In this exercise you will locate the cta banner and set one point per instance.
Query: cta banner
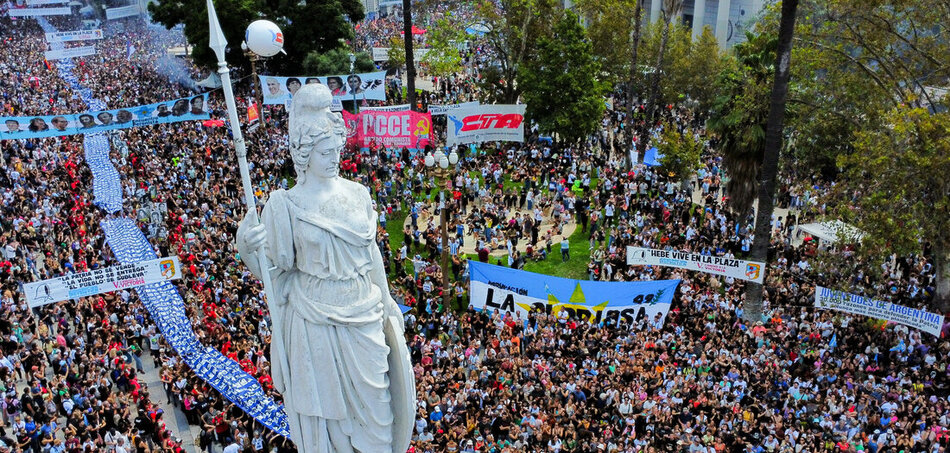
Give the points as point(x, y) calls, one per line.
point(102, 280)
point(185, 109)
point(378, 129)
point(829, 299)
point(123, 11)
point(486, 123)
point(37, 12)
point(77, 35)
point(71, 52)
point(604, 303)
point(436, 109)
point(743, 270)
point(279, 90)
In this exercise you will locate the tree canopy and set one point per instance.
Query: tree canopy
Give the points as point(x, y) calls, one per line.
point(562, 85)
point(295, 19)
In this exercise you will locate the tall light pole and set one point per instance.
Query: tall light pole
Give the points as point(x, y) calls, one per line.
point(356, 107)
point(438, 164)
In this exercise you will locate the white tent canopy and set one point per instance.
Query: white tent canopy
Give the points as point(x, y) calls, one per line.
point(831, 231)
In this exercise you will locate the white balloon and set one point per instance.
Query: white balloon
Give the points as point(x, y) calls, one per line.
point(264, 38)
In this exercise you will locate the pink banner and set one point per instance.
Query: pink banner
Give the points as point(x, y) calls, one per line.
point(378, 129)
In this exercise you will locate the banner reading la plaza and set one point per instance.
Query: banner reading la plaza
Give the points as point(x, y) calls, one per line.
point(485, 123)
point(608, 303)
point(830, 299)
point(743, 270)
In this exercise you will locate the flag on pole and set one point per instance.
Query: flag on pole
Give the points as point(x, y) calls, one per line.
point(49, 65)
point(252, 114)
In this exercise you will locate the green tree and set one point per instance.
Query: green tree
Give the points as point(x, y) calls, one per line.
point(514, 27)
point(856, 60)
point(561, 87)
point(336, 61)
point(897, 178)
point(397, 52)
point(443, 57)
point(681, 151)
point(294, 18)
point(610, 28)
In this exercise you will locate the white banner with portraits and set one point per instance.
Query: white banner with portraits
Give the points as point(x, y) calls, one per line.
point(371, 86)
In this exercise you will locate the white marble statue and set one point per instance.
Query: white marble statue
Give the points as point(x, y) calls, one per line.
point(338, 352)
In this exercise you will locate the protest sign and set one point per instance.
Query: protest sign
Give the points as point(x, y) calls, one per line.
point(607, 303)
point(405, 129)
point(436, 109)
point(193, 108)
point(923, 320)
point(386, 108)
point(102, 280)
point(70, 52)
point(730, 267)
point(371, 85)
point(123, 11)
point(486, 123)
point(76, 35)
point(38, 12)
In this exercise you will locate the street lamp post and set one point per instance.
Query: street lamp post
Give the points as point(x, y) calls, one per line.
point(438, 164)
point(356, 107)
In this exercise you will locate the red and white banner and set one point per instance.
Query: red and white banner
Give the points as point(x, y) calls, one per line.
point(379, 129)
point(486, 123)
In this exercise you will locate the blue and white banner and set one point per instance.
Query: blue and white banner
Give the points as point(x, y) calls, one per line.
point(185, 109)
point(605, 303)
point(161, 299)
point(829, 299)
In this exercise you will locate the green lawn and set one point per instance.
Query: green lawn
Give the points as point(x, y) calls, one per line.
point(575, 267)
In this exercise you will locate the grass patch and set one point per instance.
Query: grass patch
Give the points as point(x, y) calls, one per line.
point(575, 267)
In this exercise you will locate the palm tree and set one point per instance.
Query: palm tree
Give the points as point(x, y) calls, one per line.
point(671, 9)
point(631, 109)
point(773, 146)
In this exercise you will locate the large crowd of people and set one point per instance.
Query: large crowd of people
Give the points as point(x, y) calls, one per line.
point(705, 380)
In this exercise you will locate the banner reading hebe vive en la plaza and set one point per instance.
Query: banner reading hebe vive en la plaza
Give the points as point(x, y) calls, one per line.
point(608, 303)
point(380, 129)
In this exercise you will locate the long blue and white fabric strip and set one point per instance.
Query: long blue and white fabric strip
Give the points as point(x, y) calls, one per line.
point(162, 300)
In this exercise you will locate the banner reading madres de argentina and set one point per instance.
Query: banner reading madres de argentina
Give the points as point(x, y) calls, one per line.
point(371, 85)
point(830, 299)
point(184, 109)
point(622, 304)
point(485, 123)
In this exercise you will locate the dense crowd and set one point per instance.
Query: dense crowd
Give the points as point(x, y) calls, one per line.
point(703, 381)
